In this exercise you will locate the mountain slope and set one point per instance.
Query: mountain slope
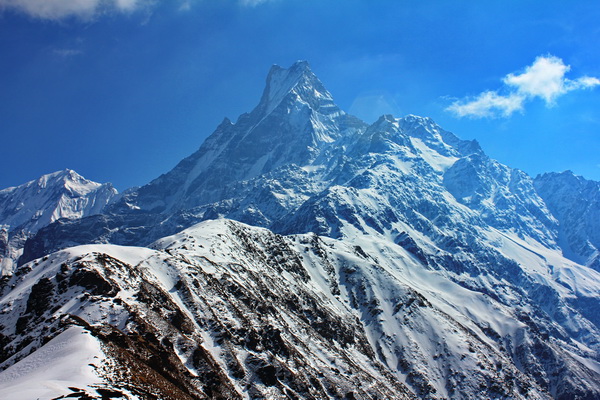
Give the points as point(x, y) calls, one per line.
point(294, 148)
point(575, 202)
point(263, 315)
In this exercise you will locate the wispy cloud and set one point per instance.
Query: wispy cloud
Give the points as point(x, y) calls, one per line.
point(544, 79)
point(254, 3)
point(60, 9)
point(67, 52)
point(86, 9)
point(185, 5)
point(369, 107)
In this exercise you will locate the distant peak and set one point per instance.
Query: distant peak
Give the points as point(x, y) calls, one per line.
point(419, 119)
point(66, 178)
point(420, 126)
point(567, 176)
point(225, 123)
point(387, 117)
point(281, 80)
point(58, 175)
point(66, 174)
point(384, 120)
point(568, 173)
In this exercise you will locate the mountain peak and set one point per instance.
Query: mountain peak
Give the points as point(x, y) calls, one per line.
point(300, 66)
point(297, 69)
point(297, 83)
point(66, 174)
point(442, 270)
point(67, 179)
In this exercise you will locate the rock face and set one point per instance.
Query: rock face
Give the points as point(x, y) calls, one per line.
point(301, 253)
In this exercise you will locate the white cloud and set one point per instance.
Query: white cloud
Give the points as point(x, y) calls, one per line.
point(544, 79)
point(86, 9)
point(585, 82)
point(488, 104)
point(60, 9)
point(126, 5)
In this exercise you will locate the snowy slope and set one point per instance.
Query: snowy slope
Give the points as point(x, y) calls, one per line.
point(67, 361)
point(227, 320)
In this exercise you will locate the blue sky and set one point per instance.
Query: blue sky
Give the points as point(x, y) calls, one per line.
point(121, 90)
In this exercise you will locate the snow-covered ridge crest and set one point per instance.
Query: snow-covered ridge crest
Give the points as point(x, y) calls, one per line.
point(167, 310)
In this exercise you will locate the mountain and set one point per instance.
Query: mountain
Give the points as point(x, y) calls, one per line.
point(27, 208)
point(302, 253)
point(295, 122)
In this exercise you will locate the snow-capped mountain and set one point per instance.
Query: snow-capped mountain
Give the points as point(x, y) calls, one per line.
point(301, 253)
point(27, 208)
